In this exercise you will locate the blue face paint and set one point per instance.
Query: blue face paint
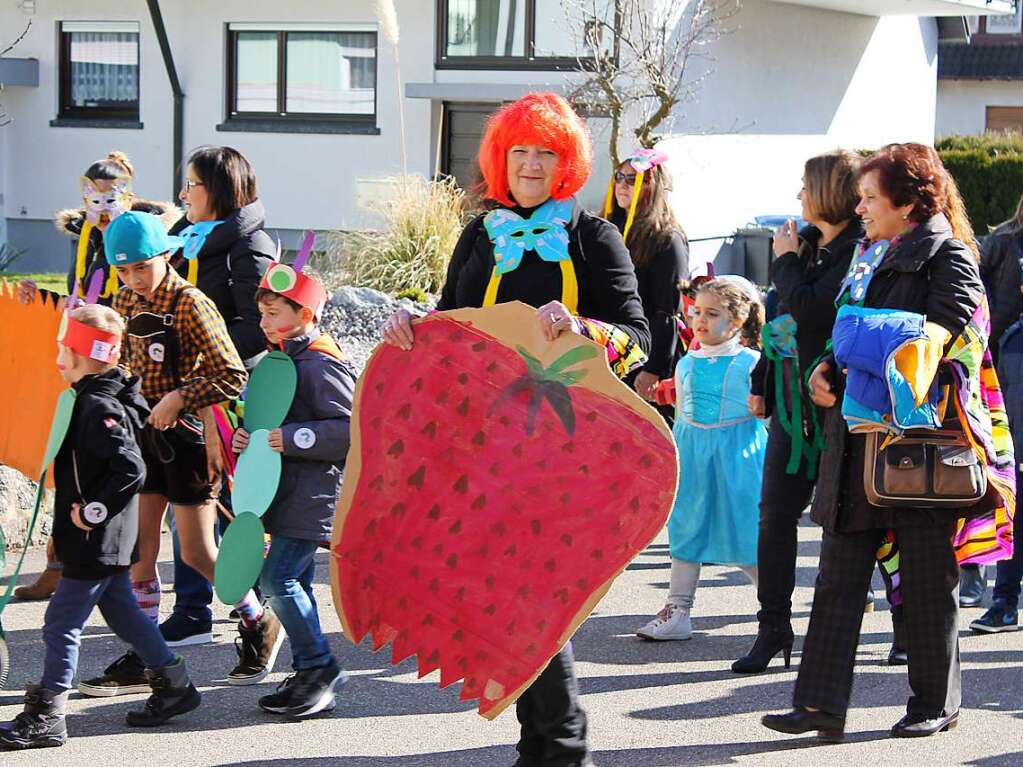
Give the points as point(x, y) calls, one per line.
point(195, 237)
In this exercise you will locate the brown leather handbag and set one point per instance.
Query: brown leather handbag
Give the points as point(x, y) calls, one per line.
point(922, 468)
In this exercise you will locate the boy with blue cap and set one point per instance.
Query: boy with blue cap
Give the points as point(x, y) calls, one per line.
point(178, 345)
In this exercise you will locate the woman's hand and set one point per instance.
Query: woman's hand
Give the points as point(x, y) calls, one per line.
point(240, 440)
point(645, 384)
point(820, 387)
point(786, 239)
point(756, 405)
point(555, 319)
point(165, 413)
point(27, 291)
point(398, 330)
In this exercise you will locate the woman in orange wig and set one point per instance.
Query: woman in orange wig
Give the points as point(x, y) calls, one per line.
point(539, 246)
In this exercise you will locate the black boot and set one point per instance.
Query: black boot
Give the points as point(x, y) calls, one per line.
point(769, 643)
point(40, 725)
point(173, 694)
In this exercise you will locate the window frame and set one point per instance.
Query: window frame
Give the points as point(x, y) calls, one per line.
point(988, 36)
point(360, 123)
point(67, 111)
point(529, 61)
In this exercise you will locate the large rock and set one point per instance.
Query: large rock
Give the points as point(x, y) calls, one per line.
point(355, 318)
point(17, 497)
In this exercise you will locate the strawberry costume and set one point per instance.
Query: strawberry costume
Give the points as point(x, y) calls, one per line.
point(555, 255)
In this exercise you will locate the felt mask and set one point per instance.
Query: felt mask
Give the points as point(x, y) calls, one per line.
point(111, 203)
point(195, 237)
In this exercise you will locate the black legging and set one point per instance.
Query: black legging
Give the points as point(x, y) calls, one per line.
point(782, 500)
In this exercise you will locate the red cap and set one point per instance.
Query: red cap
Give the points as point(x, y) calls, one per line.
point(304, 291)
point(88, 341)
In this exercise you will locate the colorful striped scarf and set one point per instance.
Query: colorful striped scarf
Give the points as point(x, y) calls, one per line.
point(985, 536)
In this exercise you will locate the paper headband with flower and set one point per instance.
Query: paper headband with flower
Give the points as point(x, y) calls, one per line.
point(642, 160)
point(289, 281)
point(96, 344)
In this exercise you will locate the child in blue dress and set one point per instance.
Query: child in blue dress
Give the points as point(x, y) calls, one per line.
point(721, 449)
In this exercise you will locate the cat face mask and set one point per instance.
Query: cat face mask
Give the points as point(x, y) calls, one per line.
point(102, 207)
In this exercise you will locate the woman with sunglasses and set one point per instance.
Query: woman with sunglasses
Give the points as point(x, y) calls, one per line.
point(637, 203)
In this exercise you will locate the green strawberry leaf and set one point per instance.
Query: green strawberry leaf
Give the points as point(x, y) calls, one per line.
point(570, 358)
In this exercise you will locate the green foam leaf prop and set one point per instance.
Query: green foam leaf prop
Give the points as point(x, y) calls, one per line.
point(240, 558)
point(58, 427)
point(270, 392)
point(256, 476)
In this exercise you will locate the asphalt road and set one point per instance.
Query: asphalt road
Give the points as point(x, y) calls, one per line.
point(650, 705)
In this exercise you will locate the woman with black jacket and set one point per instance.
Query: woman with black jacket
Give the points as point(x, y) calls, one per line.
point(1001, 269)
point(930, 268)
point(806, 272)
point(535, 156)
point(226, 249)
point(637, 204)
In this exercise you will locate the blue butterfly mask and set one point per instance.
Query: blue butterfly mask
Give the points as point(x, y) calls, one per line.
point(543, 232)
point(195, 236)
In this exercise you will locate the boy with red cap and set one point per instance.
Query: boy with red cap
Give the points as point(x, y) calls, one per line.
point(98, 472)
point(314, 441)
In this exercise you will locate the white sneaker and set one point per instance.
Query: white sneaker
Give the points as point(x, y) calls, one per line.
point(670, 623)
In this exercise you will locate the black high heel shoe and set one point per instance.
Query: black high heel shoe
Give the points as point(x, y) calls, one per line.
point(830, 728)
point(768, 644)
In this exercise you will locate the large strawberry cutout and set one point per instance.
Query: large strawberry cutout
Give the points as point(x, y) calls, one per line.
point(496, 485)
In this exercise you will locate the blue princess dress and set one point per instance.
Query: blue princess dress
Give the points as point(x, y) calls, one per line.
point(721, 457)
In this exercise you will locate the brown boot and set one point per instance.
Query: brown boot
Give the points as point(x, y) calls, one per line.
point(43, 588)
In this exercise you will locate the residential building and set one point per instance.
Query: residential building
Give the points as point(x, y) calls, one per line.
point(310, 93)
point(980, 79)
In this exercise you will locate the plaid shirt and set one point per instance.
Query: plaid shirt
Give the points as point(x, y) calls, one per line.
point(209, 367)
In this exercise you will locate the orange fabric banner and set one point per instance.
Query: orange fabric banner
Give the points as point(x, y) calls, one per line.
point(29, 381)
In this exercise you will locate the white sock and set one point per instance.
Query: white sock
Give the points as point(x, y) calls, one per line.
point(684, 578)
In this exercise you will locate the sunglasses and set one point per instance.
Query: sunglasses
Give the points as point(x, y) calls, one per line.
point(628, 178)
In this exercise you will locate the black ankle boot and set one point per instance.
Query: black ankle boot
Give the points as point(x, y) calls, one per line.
point(830, 728)
point(40, 725)
point(173, 694)
point(769, 643)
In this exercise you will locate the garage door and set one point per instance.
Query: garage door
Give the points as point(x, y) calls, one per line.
point(463, 130)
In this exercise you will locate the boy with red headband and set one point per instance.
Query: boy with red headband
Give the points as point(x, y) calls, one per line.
point(98, 473)
point(314, 441)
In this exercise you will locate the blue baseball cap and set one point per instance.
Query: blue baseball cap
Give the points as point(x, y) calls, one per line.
point(136, 236)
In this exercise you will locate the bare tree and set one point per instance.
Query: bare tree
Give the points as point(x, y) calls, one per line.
point(635, 56)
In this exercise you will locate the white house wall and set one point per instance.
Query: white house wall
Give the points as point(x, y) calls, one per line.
point(305, 181)
point(789, 82)
point(962, 104)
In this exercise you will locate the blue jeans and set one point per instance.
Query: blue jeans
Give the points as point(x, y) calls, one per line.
point(1010, 571)
point(69, 609)
point(193, 594)
point(287, 581)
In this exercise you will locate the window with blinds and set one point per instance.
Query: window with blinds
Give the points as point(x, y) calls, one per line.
point(99, 70)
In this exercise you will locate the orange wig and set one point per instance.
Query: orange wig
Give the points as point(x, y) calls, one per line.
point(543, 119)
